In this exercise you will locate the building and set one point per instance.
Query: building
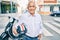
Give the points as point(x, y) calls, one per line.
point(8, 7)
point(18, 6)
point(48, 6)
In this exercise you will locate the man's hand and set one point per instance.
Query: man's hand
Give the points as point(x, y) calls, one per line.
point(14, 30)
point(39, 36)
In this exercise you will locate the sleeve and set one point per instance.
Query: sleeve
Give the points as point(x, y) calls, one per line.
point(41, 26)
point(21, 18)
point(15, 25)
point(19, 22)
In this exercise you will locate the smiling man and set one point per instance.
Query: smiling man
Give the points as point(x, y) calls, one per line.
point(33, 23)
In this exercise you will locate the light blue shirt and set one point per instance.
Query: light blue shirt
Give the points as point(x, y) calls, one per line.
point(33, 24)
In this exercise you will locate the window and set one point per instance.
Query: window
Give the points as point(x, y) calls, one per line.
point(7, 8)
point(45, 8)
point(51, 8)
point(56, 8)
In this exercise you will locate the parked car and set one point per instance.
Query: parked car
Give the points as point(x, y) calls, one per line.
point(55, 13)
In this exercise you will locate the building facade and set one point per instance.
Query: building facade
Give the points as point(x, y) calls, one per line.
point(9, 7)
point(18, 6)
point(48, 6)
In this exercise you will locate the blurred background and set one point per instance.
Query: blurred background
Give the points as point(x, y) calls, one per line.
point(48, 9)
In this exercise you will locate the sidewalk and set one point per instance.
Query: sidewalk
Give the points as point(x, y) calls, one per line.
point(1, 31)
point(57, 19)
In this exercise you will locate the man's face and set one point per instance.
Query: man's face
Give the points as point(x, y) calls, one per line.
point(31, 7)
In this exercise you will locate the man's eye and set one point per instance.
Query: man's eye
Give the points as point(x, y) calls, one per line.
point(31, 6)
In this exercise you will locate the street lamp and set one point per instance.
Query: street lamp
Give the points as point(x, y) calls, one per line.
point(11, 5)
point(0, 6)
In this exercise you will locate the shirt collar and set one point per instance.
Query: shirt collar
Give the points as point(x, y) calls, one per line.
point(31, 15)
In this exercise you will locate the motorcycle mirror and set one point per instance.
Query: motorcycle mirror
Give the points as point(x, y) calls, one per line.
point(11, 19)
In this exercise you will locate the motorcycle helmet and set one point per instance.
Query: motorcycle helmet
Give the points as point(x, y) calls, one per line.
point(21, 30)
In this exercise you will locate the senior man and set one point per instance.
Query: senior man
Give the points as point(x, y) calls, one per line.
point(33, 23)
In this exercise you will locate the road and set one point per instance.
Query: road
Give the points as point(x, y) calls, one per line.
point(51, 28)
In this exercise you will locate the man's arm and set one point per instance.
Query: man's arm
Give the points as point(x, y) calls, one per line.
point(14, 30)
point(39, 36)
point(41, 29)
point(15, 26)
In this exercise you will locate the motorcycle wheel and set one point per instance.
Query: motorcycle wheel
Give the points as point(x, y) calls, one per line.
point(11, 34)
point(0, 38)
point(6, 38)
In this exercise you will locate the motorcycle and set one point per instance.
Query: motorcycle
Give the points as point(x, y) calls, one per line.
point(8, 33)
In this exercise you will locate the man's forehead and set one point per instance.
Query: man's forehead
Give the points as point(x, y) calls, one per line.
point(31, 3)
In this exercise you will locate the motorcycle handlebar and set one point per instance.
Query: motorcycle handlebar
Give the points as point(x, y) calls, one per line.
point(12, 19)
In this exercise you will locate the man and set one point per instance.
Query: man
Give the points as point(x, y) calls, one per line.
point(33, 23)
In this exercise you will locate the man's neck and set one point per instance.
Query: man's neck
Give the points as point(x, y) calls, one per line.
point(32, 14)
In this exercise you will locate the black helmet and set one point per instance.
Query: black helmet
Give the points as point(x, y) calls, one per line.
point(21, 30)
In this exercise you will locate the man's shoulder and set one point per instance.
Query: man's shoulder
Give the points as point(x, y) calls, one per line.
point(38, 14)
point(24, 14)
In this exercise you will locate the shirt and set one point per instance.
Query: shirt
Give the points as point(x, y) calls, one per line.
point(33, 24)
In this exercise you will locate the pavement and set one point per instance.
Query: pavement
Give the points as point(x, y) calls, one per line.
point(51, 28)
point(57, 19)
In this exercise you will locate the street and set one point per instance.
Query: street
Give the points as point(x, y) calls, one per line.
point(51, 28)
